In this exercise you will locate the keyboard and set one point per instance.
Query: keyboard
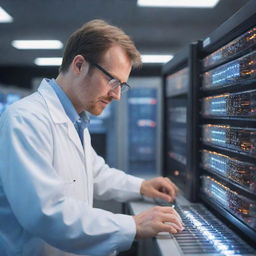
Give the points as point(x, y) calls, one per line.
point(204, 234)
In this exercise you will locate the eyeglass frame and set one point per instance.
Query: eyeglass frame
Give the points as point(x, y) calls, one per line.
point(124, 86)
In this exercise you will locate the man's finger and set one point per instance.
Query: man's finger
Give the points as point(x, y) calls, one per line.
point(164, 196)
point(167, 188)
point(169, 181)
point(168, 209)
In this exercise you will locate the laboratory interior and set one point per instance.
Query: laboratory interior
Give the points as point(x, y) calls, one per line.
point(189, 115)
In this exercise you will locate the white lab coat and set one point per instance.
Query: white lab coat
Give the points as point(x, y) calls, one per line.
point(48, 181)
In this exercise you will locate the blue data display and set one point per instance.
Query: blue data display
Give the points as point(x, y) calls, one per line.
point(234, 138)
point(232, 73)
point(242, 207)
point(240, 172)
point(230, 104)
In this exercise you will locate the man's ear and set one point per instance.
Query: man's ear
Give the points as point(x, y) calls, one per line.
point(79, 64)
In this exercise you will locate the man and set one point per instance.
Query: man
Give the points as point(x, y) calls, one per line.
point(49, 172)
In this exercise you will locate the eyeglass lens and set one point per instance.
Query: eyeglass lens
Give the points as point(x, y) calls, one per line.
point(115, 83)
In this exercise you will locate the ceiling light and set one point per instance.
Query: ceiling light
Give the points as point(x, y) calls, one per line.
point(53, 61)
point(156, 58)
point(4, 16)
point(37, 44)
point(178, 3)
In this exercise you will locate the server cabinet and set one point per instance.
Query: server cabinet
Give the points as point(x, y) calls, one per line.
point(227, 126)
point(139, 127)
point(142, 114)
point(179, 82)
point(220, 150)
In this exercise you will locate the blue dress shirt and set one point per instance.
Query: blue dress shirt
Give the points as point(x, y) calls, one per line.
point(80, 121)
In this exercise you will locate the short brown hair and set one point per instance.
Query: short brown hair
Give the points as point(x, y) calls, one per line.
point(93, 39)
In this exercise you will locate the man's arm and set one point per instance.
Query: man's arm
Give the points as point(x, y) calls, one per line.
point(111, 183)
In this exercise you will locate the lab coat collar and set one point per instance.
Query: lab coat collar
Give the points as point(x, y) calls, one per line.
point(55, 107)
point(58, 113)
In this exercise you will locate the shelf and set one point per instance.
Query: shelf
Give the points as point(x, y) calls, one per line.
point(232, 121)
point(236, 56)
point(235, 87)
point(238, 139)
point(227, 150)
point(233, 184)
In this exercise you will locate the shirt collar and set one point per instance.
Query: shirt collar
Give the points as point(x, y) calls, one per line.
point(67, 104)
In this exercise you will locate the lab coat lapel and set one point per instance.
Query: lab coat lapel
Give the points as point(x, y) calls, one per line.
point(58, 114)
point(73, 135)
point(88, 162)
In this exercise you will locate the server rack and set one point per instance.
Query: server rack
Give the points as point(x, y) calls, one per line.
point(142, 119)
point(221, 148)
point(139, 112)
point(179, 81)
point(227, 121)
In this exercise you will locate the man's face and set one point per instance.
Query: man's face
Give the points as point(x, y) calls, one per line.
point(94, 92)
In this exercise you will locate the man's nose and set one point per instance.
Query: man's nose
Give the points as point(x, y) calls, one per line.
point(115, 93)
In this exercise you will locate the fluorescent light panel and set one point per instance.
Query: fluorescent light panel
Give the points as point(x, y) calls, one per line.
point(56, 61)
point(37, 44)
point(4, 16)
point(146, 58)
point(178, 3)
point(53, 61)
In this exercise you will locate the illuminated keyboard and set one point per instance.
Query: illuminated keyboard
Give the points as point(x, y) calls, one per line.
point(205, 234)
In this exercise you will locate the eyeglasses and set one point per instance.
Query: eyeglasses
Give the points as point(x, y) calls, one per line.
point(113, 82)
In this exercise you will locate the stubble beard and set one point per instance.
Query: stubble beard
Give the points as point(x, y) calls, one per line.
point(95, 109)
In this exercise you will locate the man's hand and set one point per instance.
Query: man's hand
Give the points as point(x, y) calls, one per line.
point(157, 219)
point(159, 187)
